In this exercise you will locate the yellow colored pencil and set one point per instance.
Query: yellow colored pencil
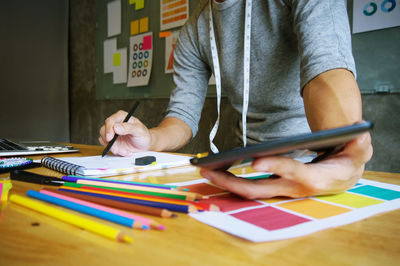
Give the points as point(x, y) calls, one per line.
point(89, 225)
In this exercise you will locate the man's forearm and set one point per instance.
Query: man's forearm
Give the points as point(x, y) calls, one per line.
point(170, 135)
point(332, 99)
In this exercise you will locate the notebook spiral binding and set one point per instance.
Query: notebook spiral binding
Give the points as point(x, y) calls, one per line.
point(60, 166)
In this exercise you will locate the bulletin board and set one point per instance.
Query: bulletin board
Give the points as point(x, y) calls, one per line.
point(376, 48)
point(160, 83)
point(376, 52)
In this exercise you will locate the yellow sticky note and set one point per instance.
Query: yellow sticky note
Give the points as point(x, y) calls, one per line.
point(131, 2)
point(134, 27)
point(117, 59)
point(139, 4)
point(144, 24)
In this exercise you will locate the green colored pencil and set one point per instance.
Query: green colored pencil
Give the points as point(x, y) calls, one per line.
point(151, 193)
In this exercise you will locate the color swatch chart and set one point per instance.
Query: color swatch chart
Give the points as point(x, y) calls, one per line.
point(140, 59)
point(283, 218)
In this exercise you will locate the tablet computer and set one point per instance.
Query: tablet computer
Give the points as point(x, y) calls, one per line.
point(319, 141)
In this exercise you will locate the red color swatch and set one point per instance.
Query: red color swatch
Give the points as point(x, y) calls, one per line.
point(204, 189)
point(269, 218)
point(147, 42)
point(230, 202)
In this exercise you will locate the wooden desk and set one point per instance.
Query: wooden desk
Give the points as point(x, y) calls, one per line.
point(30, 238)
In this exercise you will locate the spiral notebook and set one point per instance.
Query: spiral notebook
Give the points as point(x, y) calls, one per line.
point(110, 165)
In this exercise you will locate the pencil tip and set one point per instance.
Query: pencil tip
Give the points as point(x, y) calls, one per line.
point(161, 227)
point(128, 239)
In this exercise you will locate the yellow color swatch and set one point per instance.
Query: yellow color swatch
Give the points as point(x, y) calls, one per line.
point(134, 27)
point(313, 208)
point(350, 199)
point(117, 59)
point(144, 24)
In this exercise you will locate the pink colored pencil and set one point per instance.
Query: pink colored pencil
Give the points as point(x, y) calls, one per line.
point(146, 221)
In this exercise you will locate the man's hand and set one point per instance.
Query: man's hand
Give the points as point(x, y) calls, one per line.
point(334, 174)
point(170, 135)
point(133, 135)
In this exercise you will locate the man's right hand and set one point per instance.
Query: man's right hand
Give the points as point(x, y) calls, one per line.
point(134, 136)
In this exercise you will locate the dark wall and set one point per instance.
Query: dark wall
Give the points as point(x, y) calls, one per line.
point(88, 114)
point(34, 70)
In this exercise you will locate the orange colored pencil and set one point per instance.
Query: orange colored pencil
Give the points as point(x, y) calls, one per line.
point(189, 195)
point(198, 205)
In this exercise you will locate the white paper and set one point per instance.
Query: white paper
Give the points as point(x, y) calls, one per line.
point(116, 165)
point(170, 42)
point(140, 59)
point(110, 47)
point(232, 225)
point(173, 13)
point(371, 15)
point(120, 71)
point(114, 18)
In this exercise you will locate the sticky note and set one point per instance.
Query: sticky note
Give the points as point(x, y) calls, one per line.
point(147, 42)
point(144, 24)
point(164, 34)
point(117, 59)
point(139, 4)
point(134, 27)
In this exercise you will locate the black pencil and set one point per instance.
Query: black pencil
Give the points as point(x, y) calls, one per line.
point(109, 145)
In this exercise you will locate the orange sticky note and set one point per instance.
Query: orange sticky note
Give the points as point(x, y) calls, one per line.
point(134, 27)
point(164, 34)
point(144, 24)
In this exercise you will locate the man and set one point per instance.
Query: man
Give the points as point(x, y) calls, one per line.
point(296, 67)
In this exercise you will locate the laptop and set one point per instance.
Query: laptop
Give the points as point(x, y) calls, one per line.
point(10, 147)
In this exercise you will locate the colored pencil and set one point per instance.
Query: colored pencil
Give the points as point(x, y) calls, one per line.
point(199, 205)
point(71, 178)
point(111, 192)
point(138, 192)
point(87, 210)
point(189, 195)
point(172, 207)
point(81, 222)
point(145, 221)
point(164, 213)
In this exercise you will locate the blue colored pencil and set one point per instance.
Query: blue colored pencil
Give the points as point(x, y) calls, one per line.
point(70, 178)
point(169, 206)
point(87, 210)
